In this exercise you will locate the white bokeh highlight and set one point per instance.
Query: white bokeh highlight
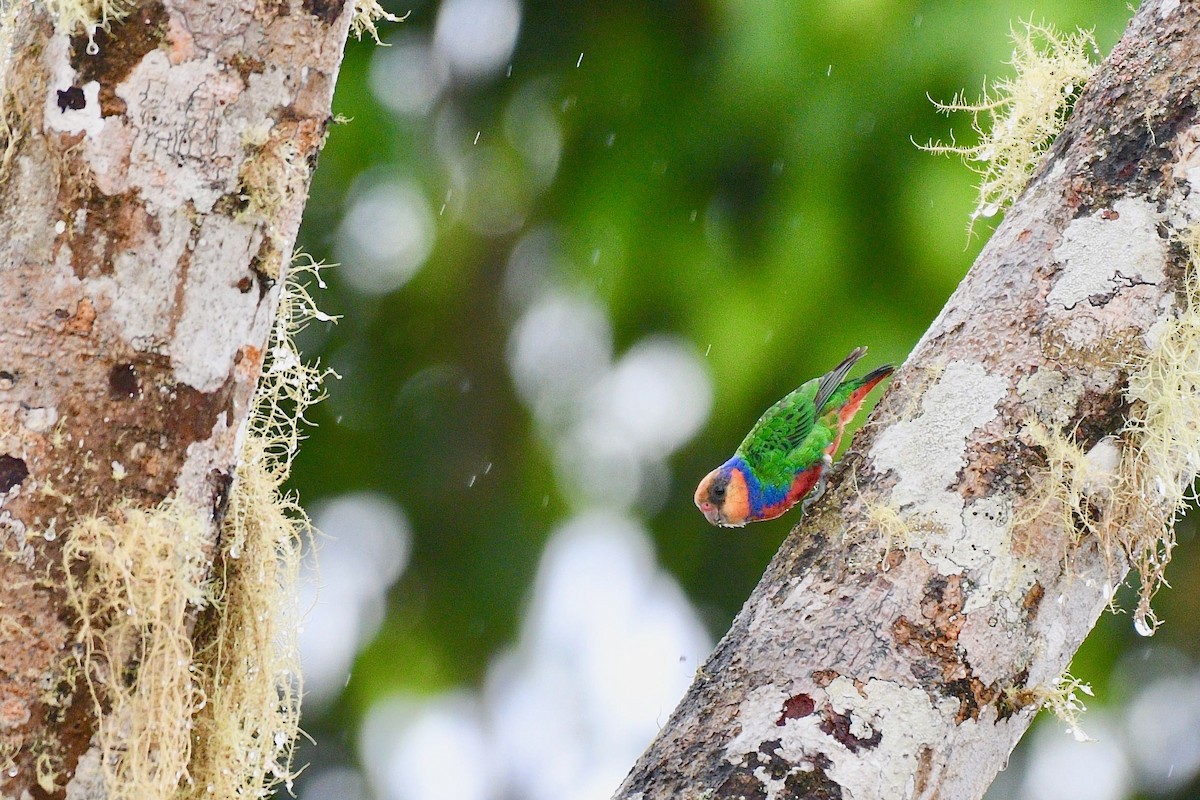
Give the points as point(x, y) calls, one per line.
point(531, 126)
point(1163, 732)
point(334, 783)
point(408, 77)
point(362, 551)
point(477, 37)
point(559, 348)
point(1062, 768)
point(385, 237)
point(656, 397)
point(608, 647)
point(427, 749)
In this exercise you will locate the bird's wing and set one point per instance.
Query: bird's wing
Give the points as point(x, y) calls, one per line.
point(779, 431)
point(831, 380)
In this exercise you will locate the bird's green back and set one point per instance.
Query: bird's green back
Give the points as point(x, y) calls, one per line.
point(788, 438)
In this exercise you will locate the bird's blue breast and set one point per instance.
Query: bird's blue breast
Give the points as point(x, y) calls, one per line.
point(759, 495)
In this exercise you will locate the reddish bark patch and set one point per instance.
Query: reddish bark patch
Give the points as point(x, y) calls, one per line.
point(1032, 601)
point(113, 224)
point(741, 785)
point(811, 784)
point(838, 726)
point(942, 605)
point(80, 323)
point(140, 417)
point(971, 694)
point(795, 707)
point(247, 65)
point(936, 638)
point(990, 467)
point(924, 770)
point(117, 51)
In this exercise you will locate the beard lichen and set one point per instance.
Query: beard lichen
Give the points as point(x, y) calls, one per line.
point(1018, 118)
point(244, 738)
point(1077, 485)
point(188, 646)
point(367, 14)
point(145, 580)
point(1164, 431)
point(1061, 699)
point(86, 16)
point(1130, 490)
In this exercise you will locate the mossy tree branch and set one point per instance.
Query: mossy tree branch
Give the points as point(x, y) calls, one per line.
point(906, 659)
point(153, 176)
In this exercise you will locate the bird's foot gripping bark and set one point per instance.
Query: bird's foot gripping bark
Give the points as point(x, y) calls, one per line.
point(819, 489)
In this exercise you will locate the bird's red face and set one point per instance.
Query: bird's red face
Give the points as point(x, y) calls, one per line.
point(722, 498)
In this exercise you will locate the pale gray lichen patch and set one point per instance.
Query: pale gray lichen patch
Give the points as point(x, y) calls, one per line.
point(60, 115)
point(182, 154)
point(1108, 250)
point(927, 453)
point(88, 781)
point(986, 641)
point(891, 724)
point(188, 154)
point(1053, 393)
point(217, 319)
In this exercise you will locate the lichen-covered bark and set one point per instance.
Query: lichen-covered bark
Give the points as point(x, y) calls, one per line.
point(904, 636)
point(150, 193)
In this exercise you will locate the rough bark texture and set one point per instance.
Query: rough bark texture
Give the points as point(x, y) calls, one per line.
point(912, 674)
point(150, 195)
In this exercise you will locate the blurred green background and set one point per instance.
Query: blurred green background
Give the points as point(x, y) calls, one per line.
point(584, 245)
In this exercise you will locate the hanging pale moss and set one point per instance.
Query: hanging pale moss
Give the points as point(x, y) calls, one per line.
point(190, 655)
point(145, 581)
point(1077, 485)
point(367, 14)
point(1062, 700)
point(85, 16)
point(1018, 118)
point(1130, 490)
point(1164, 435)
point(249, 660)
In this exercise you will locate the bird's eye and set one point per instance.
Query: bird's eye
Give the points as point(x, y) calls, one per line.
point(718, 492)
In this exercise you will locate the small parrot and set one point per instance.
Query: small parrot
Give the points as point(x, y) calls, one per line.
point(789, 450)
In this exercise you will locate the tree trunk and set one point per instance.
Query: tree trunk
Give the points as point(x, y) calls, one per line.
point(908, 630)
point(151, 187)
